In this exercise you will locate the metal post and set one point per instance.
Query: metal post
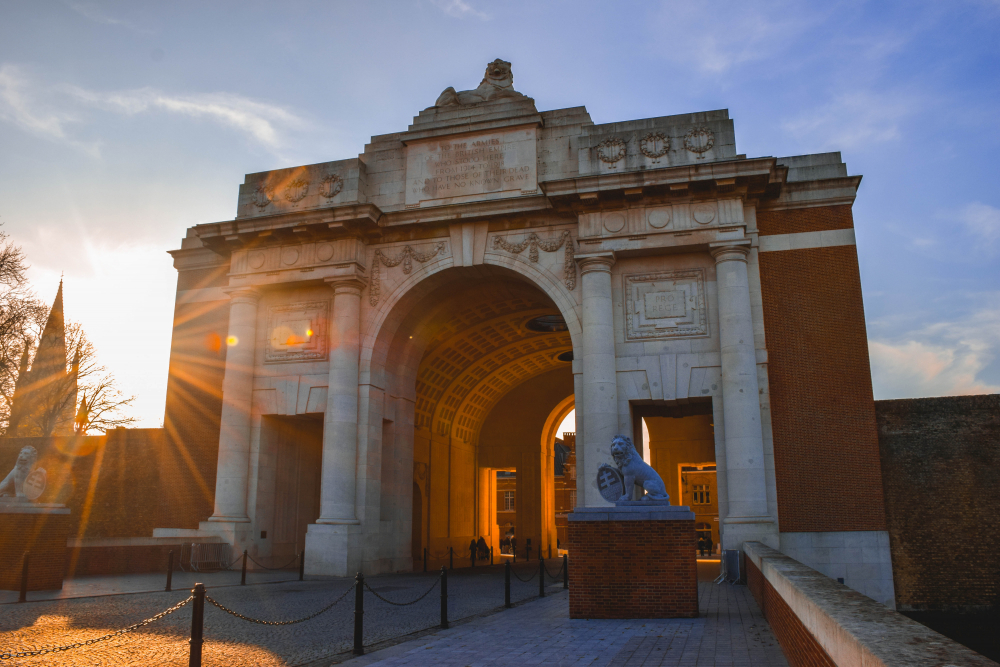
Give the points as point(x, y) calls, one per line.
point(550, 550)
point(541, 577)
point(425, 559)
point(197, 624)
point(23, 597)
point(506, 584)
point(491, 555)
point(302, 565)
point(527, 553)
point(472, 555)
point(444, 598)
point(170, 570)
point(359, 613)
point(451, 558)
point(565, 571)
point(243, 575)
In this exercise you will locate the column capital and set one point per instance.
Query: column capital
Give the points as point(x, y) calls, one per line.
point(346, 284)
point(595, 261)
point(238, 294)
point(730, 251)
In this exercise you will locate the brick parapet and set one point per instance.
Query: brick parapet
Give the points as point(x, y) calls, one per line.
point(798, 220)
point(43, 534)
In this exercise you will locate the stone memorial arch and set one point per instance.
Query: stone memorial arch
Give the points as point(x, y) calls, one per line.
point(369, 339)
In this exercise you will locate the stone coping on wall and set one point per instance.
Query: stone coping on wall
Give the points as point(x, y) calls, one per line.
point(11, 506)
point(852, 628)
point(633, 512)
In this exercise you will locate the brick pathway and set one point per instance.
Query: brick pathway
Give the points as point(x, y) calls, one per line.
point(731, 632)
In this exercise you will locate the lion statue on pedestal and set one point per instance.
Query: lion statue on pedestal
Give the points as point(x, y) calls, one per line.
point(498, 83)
point(13, 483)
point(636, 471)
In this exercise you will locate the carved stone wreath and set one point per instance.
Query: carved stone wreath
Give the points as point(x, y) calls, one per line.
point(611, 150)
point(296, 190)
point(533, 242)
point(654, 145)
point(261, 196)
point(405, 257)
point(331, 186)
point(699, 140)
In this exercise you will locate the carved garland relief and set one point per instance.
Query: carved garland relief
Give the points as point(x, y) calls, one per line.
point(406, 257)
point(611, 150)
point(654, 146)
point(669, 304)
point(533, 242)
point(699, 140)
point(331, 186)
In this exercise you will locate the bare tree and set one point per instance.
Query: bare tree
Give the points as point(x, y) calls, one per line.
point(20, 314)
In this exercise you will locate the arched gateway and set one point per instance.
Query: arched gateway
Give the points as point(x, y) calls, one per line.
point(360, 350)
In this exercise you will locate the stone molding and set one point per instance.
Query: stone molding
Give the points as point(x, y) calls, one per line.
point(346, 284)
point(598, 261)
point(730, 251)
point(242, 295)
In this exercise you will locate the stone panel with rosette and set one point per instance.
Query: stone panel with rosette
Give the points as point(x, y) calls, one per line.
point(669, 304)
point(297, 332)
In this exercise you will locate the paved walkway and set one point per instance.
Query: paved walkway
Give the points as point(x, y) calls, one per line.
point(731, 632)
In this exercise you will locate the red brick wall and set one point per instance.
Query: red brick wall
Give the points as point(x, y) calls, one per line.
point(121, 559)
point(822, 409)
point(44, 535)
point(632, 569)
point(800, 647)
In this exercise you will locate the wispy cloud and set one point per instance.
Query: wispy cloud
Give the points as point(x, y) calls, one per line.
point(853, 119)
point(460, 9)
point(49, 111)
point(983, 222)
point(942, 359)
point(94, 13)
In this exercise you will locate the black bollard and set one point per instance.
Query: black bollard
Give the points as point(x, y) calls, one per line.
point(302, 565)
point(565, 571)
point(170, 569)
point(527, 553)
point(425, 559)
point(359, 614)
point(23, 597)
point(451, 558)
point(491, 555)
point(197, 624)
point(444, 599)
point(243, 575)
point(541, 578)
point(506, 584)
point(550, 551)
point(472, 555)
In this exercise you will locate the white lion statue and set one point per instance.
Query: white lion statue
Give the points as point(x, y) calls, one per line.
point(13, 483)
point(636, 471)
point(497, 83)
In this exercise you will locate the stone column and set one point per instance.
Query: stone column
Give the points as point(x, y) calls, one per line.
point(328, 547)
point(745, 475)
point(237, 395)
point(600, 389)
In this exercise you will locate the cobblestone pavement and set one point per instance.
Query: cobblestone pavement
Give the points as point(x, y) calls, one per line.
point(731, 630)
point(234, 642)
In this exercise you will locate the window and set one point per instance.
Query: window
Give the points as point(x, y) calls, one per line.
point(508, 501)
point(572, 498)
point(701, 495)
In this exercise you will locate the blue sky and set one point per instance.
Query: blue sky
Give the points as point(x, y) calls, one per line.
point(124, 123)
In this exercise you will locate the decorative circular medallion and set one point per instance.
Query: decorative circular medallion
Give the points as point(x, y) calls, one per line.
point(296, 190)
point(703, 213)
point(658, 218)
point(654, 145)
point(290, 255)
point(611, 150)
point(261, 196)
point(699, 140)
point(331, 186)
point(614, 222)
point(256, 260)
point(324, 251)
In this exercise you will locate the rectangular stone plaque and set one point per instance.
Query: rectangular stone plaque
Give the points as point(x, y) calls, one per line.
point(670, 304)
point(471, 167)
point(297, 332)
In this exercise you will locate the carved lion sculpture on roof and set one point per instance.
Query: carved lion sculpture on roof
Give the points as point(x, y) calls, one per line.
point(497, 83)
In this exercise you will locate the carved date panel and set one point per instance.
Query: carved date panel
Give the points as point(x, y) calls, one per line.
point(297, 332)
point(669, 304)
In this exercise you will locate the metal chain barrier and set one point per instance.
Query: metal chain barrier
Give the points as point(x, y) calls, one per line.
point(262, 622)
point(403, 604)
point(57, 649)
point(519, 576)
point(558, 574)
point(295, 559)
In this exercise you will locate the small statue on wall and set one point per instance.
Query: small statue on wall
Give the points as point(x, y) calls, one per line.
point(23, 482)
point(636, 471)
point(496, 84)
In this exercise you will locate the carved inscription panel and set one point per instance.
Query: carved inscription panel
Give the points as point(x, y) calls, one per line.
point(481, 166)
point(665, 305)
point(297, 332)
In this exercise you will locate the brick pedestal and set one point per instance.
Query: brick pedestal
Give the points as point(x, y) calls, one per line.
point(632, 562)
point(41, 529)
